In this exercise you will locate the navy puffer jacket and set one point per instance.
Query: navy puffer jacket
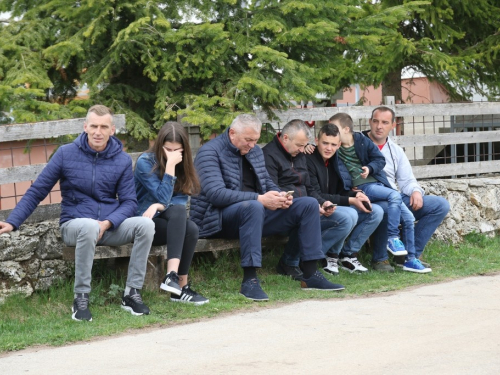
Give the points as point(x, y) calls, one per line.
point(219, 164)
point(94, 185)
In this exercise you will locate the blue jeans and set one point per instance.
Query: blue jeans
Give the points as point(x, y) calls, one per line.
point(249, 221)
point(367, 223)
point(429, 217)
point(380, 235)
point(378, 192)
point(336, 228)
point(334, 231)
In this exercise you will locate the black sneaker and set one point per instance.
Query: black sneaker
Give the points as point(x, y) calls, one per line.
point(318, 282)
point(81, 308)
point(133, 303)
point(171, 283)
point(188, 295)
point(251, 289)
point(293, 271)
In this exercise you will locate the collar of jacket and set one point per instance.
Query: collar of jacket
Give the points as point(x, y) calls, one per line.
point(114, 146)
point(232, 148)
point(282, 148)
point(365, 132)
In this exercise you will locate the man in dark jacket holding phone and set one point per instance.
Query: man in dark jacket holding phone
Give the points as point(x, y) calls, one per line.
point(238, 199)
point(98, 202)
point(331, 180)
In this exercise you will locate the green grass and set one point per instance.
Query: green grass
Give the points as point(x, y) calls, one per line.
point(44, 318)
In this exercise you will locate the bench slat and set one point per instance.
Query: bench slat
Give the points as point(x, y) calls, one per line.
point(203, 245)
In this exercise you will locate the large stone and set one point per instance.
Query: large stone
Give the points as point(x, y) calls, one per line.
point(11, 271)
point(19, 248)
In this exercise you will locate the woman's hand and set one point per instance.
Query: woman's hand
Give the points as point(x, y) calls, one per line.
point(153, 209)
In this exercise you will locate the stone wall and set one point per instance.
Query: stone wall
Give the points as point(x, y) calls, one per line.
point(30, 259)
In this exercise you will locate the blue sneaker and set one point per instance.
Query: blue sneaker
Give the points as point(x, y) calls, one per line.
point(396, 247)
point(414, 265)
point(318, 282)
point(251, 289)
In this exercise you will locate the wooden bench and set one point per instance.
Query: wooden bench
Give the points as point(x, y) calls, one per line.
point(156, 267)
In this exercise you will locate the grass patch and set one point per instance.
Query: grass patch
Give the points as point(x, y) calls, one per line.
point(44, 318)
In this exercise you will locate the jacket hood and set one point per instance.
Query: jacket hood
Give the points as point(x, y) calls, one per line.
point(114, 146)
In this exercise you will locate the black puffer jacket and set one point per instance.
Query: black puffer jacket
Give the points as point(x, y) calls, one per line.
point(288, 172)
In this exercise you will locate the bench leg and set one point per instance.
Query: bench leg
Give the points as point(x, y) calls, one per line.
point(155, 272)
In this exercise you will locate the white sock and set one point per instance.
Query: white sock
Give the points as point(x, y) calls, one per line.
point(127, 290)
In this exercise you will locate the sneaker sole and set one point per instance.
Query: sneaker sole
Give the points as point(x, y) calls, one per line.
point(130, 310)
point(169, 289)
point(199, 303)
point(425, 270)
point(255, 299)
point(325, 290)
point(354, 270)
point(397, 253)
point(73, 316)
point(331, 272)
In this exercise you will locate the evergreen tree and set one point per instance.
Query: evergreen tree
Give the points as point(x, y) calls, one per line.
point(453, 42)
point(204, 60)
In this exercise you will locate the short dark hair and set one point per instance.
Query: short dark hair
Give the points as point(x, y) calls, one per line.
point(330, 130)
point(384, 109)
point(293, 127)
point(344, 120)
point(100, 110)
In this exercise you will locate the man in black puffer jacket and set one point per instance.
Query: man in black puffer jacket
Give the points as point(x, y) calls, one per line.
point(238, 199)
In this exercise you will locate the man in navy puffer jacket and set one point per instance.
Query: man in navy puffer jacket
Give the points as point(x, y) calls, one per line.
point(98, 202)
point(238, 199)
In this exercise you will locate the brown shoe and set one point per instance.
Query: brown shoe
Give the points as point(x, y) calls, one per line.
point(383, 266)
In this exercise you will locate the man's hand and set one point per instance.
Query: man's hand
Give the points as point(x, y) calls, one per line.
point(328, 211)
point(416, 201)
point(358, 202)
point(365, 173)
point(273, 200)
point(288, 202)
point(5, 227)
point(104, 226)
point(309, 149)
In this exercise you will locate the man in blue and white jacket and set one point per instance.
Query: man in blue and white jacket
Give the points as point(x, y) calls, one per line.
point(429, 210)
point(238, 199)
point(97, 207)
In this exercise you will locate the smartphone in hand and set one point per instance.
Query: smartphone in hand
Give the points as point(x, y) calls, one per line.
point(367, 205)
point(288, 193)
point(329, 207)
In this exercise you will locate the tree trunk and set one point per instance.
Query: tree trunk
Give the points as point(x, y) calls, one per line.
point(391, 86)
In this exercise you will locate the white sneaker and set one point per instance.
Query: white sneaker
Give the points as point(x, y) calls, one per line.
point(332, 265)
point(352, 264)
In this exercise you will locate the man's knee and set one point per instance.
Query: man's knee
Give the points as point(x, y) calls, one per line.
point(81, 229)
point(377, 212)
point(252, 208)
point(395, 197)
point(306, 204)
point(144, 226)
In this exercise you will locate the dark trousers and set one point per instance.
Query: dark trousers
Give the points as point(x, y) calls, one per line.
point(173, 228)
point(250, 221)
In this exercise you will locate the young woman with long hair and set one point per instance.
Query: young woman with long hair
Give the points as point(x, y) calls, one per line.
point(164, 179)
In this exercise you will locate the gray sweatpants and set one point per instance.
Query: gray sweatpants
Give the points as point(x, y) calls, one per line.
point(83, 234)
